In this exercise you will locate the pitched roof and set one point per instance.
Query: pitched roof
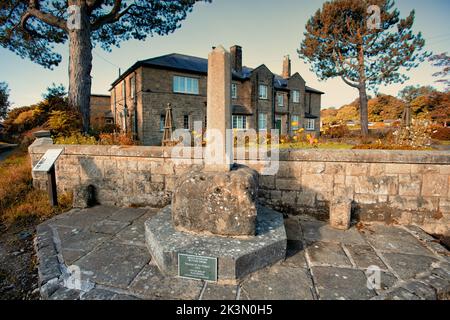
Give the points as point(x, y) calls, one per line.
point(182, 62)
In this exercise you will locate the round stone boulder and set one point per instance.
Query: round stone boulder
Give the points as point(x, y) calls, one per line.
point(216, 203)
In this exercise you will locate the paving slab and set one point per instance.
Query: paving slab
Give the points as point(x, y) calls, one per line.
point(152, 284)
point(65, 294)
point(279, 283)
point(388, 281)
point(325, 253)
point(408, 266)
point(401, 294)
point(219, 292)
point(341, 284)
point(392, 239)
point(364, 256)
point(83, 219)
point(108, 226)
point(108, 245)
point(114, 264)
point(99, 294)
point(295, 255)
point(128, 214)
point(314, 231)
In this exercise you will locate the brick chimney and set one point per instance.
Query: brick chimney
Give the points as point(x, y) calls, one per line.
point(286, 67)
point(236, 58)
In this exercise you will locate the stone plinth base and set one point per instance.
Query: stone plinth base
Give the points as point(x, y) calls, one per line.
point(236, 257)
point(216, 203)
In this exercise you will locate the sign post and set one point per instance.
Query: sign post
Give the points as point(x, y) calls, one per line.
point(47, 164)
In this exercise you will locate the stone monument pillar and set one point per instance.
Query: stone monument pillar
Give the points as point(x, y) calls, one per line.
point(214, 219)
point(219, 153)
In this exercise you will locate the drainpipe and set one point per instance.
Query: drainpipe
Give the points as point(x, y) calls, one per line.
point(135, 122)
point(273, 103)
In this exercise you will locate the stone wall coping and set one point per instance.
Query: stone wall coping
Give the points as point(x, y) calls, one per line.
point(40, 146)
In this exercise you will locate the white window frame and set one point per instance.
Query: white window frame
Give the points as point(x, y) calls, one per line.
point(296, 96)
point(234, 93)
point(239, 122)
point(263, 92)
point(185, 85)
point(310, 124)
point(280, 100)
point(262, 121)
point(133, 87)
point(294, 118)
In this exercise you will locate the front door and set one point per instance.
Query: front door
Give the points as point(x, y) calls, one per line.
point(278, 123)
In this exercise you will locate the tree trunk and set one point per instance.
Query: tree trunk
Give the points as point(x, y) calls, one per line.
point(363, 110)
point(80, 66)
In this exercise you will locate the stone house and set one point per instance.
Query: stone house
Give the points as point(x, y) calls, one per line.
point(101, 110)
point(261, 99)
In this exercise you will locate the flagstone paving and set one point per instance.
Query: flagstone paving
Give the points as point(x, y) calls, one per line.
point(106, 248)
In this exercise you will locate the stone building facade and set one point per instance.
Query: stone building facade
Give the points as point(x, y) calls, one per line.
point(101, 110)
point(261, 100)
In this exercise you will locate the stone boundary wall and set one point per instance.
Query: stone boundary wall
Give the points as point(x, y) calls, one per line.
point(401, 187)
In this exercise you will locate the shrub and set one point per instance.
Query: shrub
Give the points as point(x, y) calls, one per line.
point(63, 123)
point(440, 133)
point(339, 131)
point(75, 138)
point(116, 139)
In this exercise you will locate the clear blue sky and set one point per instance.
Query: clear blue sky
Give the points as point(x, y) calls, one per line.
point(266, 29)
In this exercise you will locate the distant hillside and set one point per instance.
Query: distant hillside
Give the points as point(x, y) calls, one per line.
point(433, 106)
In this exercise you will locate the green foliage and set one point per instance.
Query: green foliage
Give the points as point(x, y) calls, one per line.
point(425, 102)
point(409, 93)
point(52, 113)
point(338, 43)
point(55, 91)
point(111, 22)
point(4, 99)
point(442, 60)
point(76, 138)
point(63, 122)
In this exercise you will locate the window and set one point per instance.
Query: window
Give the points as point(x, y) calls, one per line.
point(123, 90)
point(296, 96)
point(234, 91)
point(262, 91)
point(186, 122)
point(162, 122)
point(280, 100)
point(185, 85)
point(240, 122)
point(295, 124)
point(310, 124)
point(262, 121)
point(133, 87)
